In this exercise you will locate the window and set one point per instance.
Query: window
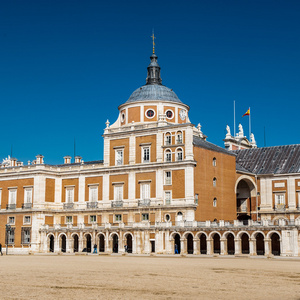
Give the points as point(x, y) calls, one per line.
point(118, 218)
point(118, 192)
point(179, 137)
point(11, 220)
point(27, 220)
point(298, 205)
point(145, 191)
point(214, 162)
point(69, 219)
point(280, 199)
point(12, 198)
point(70, 195)
point(215, 181)
point(119, 157)
point(145, 217)
point(122, 117)
point(146, 154)
point(93, 219)
point(196, 198)
point(25, 236)
point(93, 193)
point(168, 177)
point(11, 236)
point(167, 197)
point(0, 197)
point(28, 195)
point(169, 114)
point(168, 139)
point(215, 202)
point(150, 113)
point(179, 155)
point(179, 216)
point(243, 205)
point(167, 217)
point(168, 156)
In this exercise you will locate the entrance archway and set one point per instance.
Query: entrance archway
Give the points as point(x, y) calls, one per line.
point(260, 244)
point(177, 243)
point(76, 243)
point(129, 243)
point(245, 243)
point(63, 243)
point(217, 244)
point(203, 244)
point(275, 244)
point(115, 244)
point(101, 243)
point(51, 243)
point(230, 244)
point(190, 244)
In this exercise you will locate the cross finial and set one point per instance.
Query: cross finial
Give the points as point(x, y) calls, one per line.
point(153, 37)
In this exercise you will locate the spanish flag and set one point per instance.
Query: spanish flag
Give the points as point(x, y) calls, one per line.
point(247, 113)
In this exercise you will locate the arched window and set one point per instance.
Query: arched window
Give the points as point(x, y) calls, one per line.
point(215, 181)
point(179, 155)
point(168, 155)
point(215, 202)
point(179, 139)
point(214, 162)
point(168, 139)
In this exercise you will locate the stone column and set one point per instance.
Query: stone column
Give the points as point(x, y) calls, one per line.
point(196, 243)
point(68, 243)
point(252, 246)
point(267, 246)
point(183, 249)
point(209, 246)
point(223, 242)
point(237, 246)
point(80, 242)
point(56, 243)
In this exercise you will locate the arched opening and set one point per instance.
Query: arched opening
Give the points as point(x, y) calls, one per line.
point(275, 244)
point(190, 244)
point(177, 244)
point(115, 244)
point(245, 243)
point(217, 244)
point(88, 243)
point(63, 243)
point(76, 243)
point(168, 156)
point(260, 244)
point(230, 244)
point(179, 216)
point(179, 155)
point(129, 243)
point(243, 200)
point(101, 243)
point(51, 243)
point(203, 244)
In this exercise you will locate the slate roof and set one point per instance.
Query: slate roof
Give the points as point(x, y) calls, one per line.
point(199, 142)
point(270, 160)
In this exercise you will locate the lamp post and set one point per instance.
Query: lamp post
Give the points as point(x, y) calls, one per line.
point(7, 228)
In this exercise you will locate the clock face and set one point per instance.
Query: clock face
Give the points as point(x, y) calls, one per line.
point(182, 114)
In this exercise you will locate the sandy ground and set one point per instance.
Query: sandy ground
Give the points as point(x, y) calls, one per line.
point(131, 277)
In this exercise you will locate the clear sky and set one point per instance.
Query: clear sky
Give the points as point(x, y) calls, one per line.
point(65, 66)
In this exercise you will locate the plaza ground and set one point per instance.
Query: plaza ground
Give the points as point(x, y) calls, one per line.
point(136, 277)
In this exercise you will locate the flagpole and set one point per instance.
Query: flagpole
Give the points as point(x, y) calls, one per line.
point(249, 123)
point(234, 117)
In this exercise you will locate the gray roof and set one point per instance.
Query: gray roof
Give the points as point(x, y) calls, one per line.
point(270, 160)
point(151, 92)
point(199, 142)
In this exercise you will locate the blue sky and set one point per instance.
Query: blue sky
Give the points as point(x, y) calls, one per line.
point(65, 66)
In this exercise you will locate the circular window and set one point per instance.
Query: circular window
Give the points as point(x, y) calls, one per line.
point(150, 113)
point(167, 217)
point(169, 114)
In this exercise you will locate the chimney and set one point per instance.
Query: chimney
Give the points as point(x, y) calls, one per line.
point(19, 163)
point(13, 162)
point(39, 159)
point(78, 159)
point(67, 159)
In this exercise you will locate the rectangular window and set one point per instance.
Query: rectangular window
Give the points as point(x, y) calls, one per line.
point(196, 198)
point(168, 139)
point(93, 219)
point(118, 218)
point(69, 195)
point(168, 177)
point(27, 219)
point(179, 156)
point(168, 197)
point(28, 195)
point(118, 192)
point(25, 236)
point(280, 199)
point(168, 156)
point(119, 157)
point(215, 202)
point(11, 220)
point(179, 138)
point(11, 236)
point(93, 193)
point(69, 219)
point(146, 154)
point(0, 197)
point(145, 217)
point(145, 191)
point(12, 198)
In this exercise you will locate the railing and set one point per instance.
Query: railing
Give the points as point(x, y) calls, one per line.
point(11, 206)
point(68, 205)
point(116, 203)
point(144, 202)
point(279, 207)
point(92, 205)
point(26, 205)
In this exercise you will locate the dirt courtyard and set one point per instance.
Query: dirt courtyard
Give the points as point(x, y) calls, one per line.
point(131, 277)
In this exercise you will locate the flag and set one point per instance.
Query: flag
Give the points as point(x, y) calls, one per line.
point(247, 112)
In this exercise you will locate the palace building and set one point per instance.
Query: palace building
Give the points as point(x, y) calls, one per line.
point(160, 188)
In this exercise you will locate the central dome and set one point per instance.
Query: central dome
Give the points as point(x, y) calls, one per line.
point(150, 92)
